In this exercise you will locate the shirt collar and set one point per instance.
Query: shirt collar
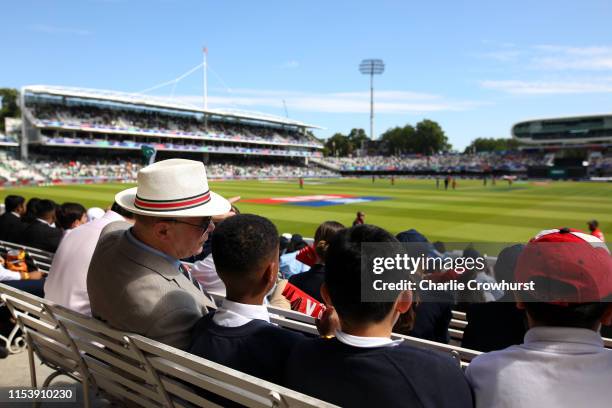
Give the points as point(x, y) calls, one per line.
point(44, 222)
point(112, 216)
point(234, 314)
point(547, 337)
point(365, 342)
point(15, 214)
point(152, 250)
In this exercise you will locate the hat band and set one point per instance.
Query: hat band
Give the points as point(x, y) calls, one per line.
point(172, 205)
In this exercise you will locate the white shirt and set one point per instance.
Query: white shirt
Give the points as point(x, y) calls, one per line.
point(233, 314)
point(554, 367)
point(365, 342)
point(46, 222)
point(8, 275)
point(67, 281)
point(205, 272)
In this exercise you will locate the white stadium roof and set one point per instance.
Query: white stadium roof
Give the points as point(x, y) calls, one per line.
point(157, 102)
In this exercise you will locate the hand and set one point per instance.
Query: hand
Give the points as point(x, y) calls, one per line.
point(36, 275)
point(218, 218)
point(233, 199)
point(328, 323)
point(1, 261)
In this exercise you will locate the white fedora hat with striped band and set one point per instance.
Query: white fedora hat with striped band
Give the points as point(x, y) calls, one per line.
point(173, 188)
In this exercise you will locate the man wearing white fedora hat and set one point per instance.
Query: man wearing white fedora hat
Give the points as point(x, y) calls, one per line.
point(135, 280)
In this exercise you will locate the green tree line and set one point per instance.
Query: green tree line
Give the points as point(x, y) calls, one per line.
point(9, 107)
point(427, 137)
point(483, 144)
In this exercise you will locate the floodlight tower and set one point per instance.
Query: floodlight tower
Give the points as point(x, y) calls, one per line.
point(372, 67)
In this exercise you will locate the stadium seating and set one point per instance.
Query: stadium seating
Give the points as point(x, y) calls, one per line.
point(157, 123)
point(123, 367)
point(46, 169)
point(475, 163)
point(42, 259)
point(459, 322)
point(13, 342)
point(306, 324)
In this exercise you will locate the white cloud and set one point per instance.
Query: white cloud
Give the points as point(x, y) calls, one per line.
point(574, 58)
point(517, 87)
point(554, 57)
point(49, 29)
point(291, 64)
point(503, 55)
point(582, 62)
point(386, 101)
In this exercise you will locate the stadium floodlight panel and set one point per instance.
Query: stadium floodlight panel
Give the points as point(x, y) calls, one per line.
point(372, 67)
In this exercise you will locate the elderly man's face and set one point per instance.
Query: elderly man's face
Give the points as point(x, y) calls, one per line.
point(188, 235)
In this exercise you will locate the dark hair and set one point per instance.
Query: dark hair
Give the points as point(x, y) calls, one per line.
point(583, 315)
point(506, 262)
point(242, 243)
point(122, 211)
point(323, 235)
point(11, 202)
point(579, 315)
point(296, 243)
point(68, 213)
point(31, 209)
point(283, 243)
point(343, 274)
point(471, 252)
point(411, 236)
point(43, 207)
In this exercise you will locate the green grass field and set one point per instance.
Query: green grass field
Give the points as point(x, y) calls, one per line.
point(472, 213)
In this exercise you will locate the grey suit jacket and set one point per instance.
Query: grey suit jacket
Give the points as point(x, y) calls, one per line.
point(137, 291)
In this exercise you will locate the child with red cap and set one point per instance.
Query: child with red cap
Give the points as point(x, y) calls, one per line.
point(562, 361)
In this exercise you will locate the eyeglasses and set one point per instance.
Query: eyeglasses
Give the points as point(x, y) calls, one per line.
point(203, 226)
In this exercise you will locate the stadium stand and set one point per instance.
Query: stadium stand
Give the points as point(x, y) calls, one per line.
point(13, 170)
point(56, 117)
point(63, 123)
point(456, 163)
point(41, 169)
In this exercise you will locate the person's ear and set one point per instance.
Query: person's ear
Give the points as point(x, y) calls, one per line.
point(270, 275)
point(404, 301)
point(606, 319)
point(161, 230)
point(325, 295)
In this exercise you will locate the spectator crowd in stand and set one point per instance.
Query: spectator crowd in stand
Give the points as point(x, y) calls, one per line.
point(177, 145)
point(544, 348)
point(45, 169)
point(162, 122)
point(450, 162)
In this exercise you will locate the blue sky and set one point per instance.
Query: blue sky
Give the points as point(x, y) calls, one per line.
point(476, 67)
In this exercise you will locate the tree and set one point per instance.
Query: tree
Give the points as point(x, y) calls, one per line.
point(356, 138)
point(397, 140)
point(429, 138)
point(337, 145)
point(9, 105)
point(482, 144)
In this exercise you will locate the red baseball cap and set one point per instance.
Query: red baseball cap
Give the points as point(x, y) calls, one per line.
point(567, 266)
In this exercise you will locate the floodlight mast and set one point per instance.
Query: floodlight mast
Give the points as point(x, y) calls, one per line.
point(372, 67)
